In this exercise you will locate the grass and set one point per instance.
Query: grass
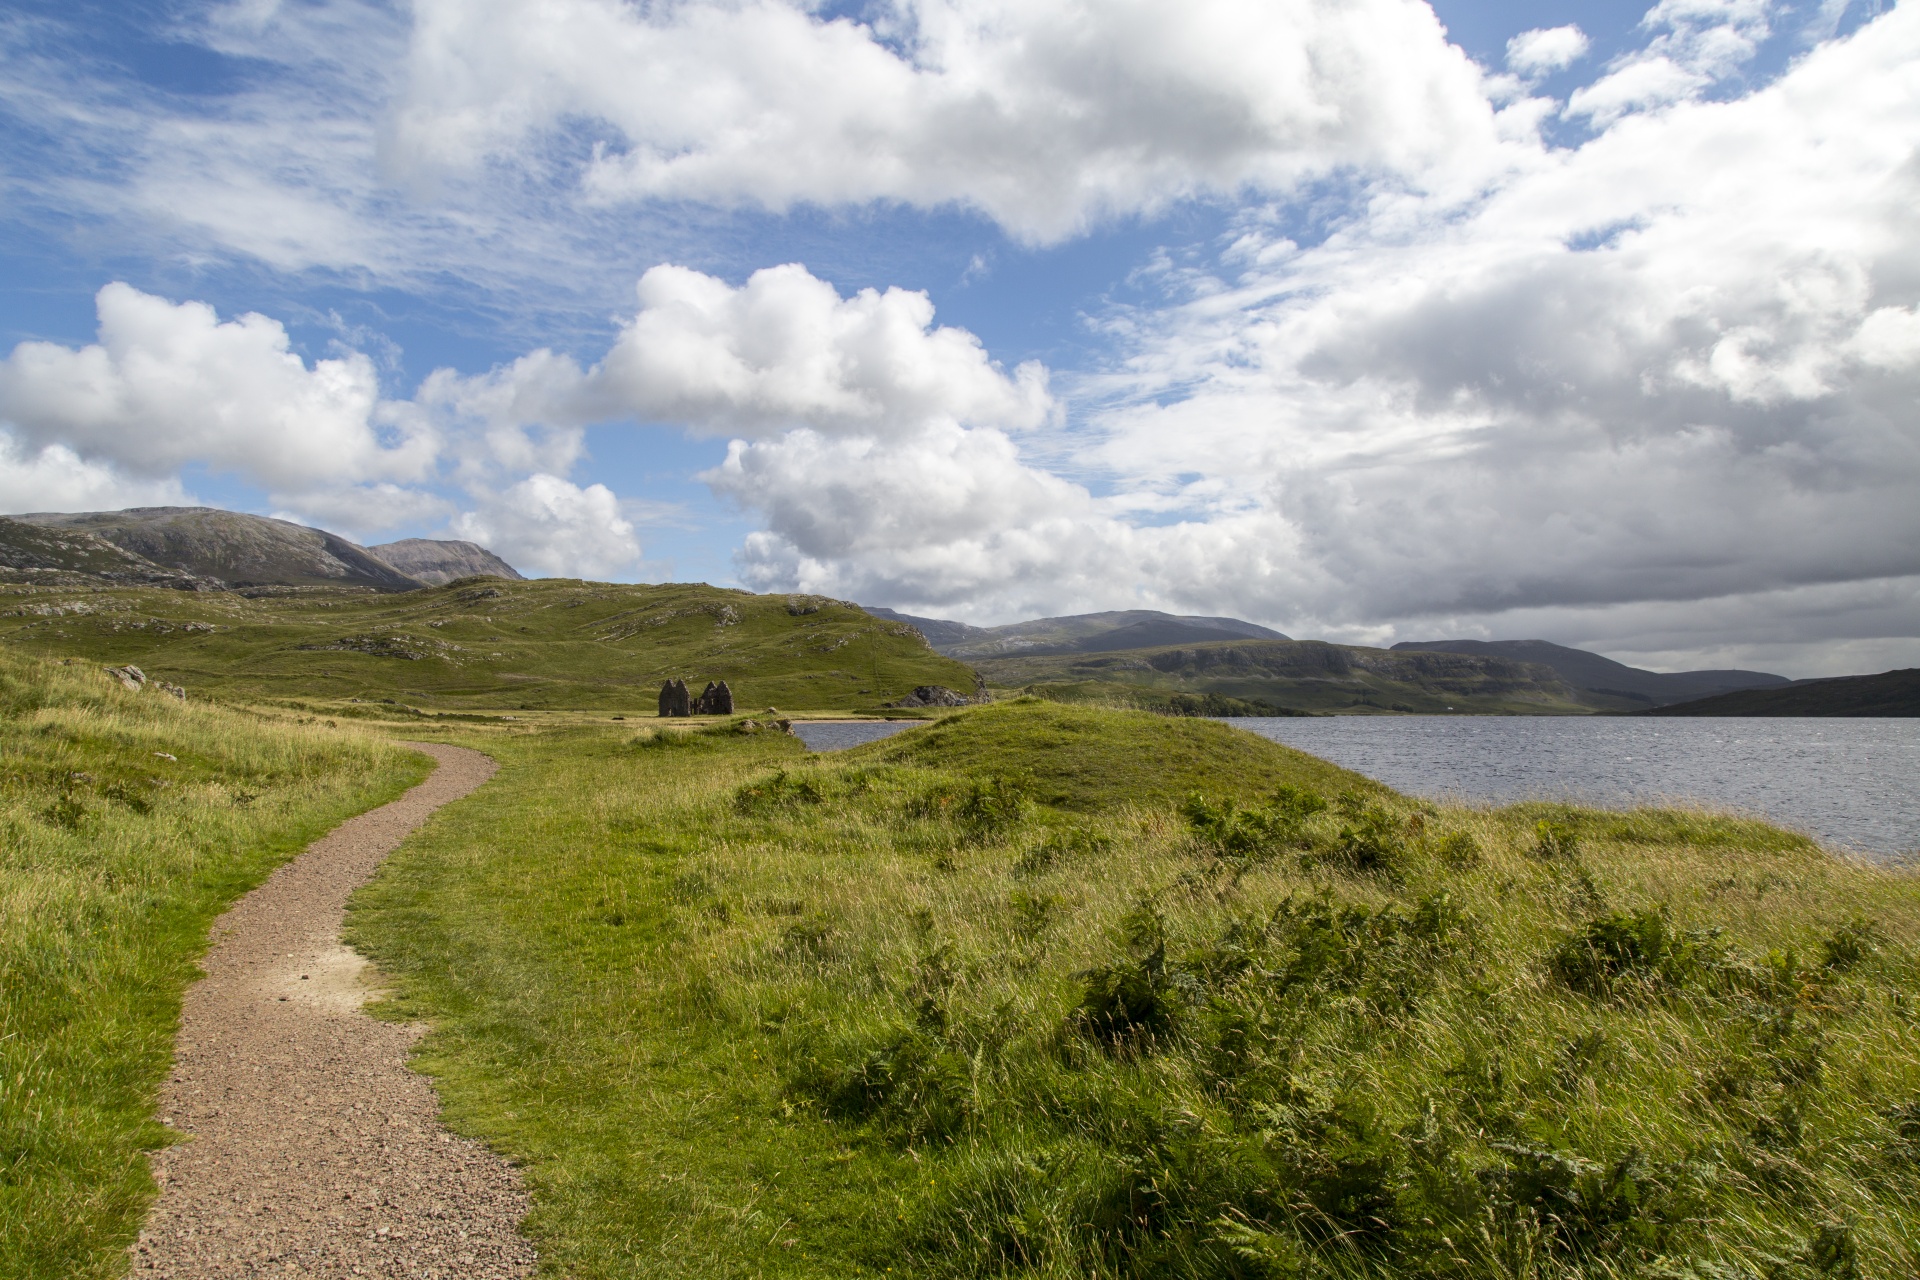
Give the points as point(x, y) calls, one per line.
point(127, 823)
point(996, 998)
point(483, 645)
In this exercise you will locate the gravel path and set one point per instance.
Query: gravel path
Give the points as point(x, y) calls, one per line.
point(313, 1150)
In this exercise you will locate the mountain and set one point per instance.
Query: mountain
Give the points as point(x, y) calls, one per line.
point(1302, 675)
point(938, 631)
point(38, 554)
point(437, 563)
point(1611, 684)
point(230, 548)
point(1078, 633)
point(1891, 693)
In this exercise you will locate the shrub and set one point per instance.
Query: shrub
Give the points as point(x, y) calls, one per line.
point(993, 805)
point(1371, 840)
point(1134, 1000)
point(1641, 945)
point(1554, 840)
point(1458, 849)
point(1851, 943)
point(781, 791)
point(1582, 1206)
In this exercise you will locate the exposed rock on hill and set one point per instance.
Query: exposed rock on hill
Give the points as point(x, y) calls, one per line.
point(231, 548)
point(47, 553)
point(440, 561)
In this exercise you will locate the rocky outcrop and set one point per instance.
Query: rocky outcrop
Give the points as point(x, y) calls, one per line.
point(934, 695)
point(437, 562)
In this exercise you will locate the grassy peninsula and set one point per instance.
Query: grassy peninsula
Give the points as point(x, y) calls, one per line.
point(128, 821)
point(1057, 991)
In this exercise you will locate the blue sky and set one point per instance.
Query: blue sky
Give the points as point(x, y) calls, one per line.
point(1364, 320)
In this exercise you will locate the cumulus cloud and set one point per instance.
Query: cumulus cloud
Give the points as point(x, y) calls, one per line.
point(1676, 363)
point(1545, 49)
point(555, 527)
point(55, 478)
point(782, 350)
point(1042, 114)
point(168, 384)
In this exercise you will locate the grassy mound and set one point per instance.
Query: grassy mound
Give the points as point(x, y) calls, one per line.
point(127, 822)
point(740, 1012)
point(1086, 758)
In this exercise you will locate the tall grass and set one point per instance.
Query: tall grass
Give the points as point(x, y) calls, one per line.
point(746, 1013)
point(127, 822)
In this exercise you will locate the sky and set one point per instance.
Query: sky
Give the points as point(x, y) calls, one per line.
point(1368, 320)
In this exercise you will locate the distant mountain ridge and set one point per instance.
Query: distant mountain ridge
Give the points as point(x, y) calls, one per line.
point(1593, 674)
point(205, 548)
point(1078, 633)
point(437, 562)
point(1888, 694)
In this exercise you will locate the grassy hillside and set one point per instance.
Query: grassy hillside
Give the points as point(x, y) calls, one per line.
point(1309, 675)
point(972, 1003)
point(1889, 694)
point(484, 644)
point(130, 821)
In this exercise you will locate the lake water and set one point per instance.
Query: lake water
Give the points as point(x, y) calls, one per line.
point(1852, 783)
point(838, 735)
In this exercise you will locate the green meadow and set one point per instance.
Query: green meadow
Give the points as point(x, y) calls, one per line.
point(1047, 990)
point(481, 645)
point(128, 821)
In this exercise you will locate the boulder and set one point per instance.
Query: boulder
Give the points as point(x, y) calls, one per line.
point(934, 695)
point(130, 676)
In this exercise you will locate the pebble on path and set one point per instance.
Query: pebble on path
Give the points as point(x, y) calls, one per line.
point(312, 1149)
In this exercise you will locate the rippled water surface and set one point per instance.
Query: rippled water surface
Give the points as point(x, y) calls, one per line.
point(1853, 783)
point(838, 735)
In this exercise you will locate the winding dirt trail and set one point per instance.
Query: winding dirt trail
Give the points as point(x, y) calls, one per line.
point(314, 1151)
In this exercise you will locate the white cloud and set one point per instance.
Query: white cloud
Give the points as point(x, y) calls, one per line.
point(1043, 114)
point(55, 478)
point(1545, 49)
point(170, 384)
point(1677, 363)
point(782, 350)
point(549, 525)
point(1698, 43)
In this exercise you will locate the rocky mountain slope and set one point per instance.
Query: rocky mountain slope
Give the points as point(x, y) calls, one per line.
point(1077, 633)
point(1603, 680)
point(229, 548)
point(437, 562)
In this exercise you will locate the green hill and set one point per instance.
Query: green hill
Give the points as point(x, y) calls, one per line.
point(1307, 675)
point(482, 643)
point(1889, 694)
point(1087, 758)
